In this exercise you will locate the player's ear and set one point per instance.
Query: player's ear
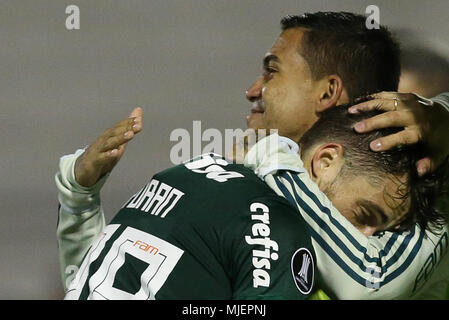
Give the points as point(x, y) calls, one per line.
point(327, 162)
point(332, 92)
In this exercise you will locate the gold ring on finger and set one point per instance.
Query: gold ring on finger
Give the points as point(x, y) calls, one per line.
point(395, 104)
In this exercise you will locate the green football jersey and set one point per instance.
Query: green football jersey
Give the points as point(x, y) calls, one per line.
point(207, 229)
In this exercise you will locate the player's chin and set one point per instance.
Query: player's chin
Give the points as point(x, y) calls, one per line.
point(255, 121)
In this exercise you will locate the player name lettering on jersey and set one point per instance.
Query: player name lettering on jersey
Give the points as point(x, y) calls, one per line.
point(156, 198)
point(211, 165)
point(261, 237)
point(432, 261)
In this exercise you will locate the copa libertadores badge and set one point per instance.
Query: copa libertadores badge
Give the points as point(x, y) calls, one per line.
point(303, 270)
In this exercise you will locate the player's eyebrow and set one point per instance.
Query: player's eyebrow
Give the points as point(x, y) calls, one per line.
point(371, 211)
point(269, 58)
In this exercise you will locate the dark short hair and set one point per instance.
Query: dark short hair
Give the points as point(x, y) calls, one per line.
point(367, 60)
point(337, 125)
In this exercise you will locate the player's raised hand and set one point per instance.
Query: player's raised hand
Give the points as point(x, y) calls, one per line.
point(422, 120)
point(104, 153)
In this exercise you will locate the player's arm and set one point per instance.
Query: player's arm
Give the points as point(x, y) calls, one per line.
point(80, 216)
point(79, 181)
point(425, 120)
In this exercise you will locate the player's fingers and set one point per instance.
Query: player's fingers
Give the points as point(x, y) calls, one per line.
point(424, 166)
point(104, 158)
point(403, 137)
point(137, 112)
point(376, 104)
point(107, 159)
point(129, 124)
point(384, 101)
point(393, 95)
point(115, 141)
point(385, 120)
point(133, 122)
point(125, 124)
point(120, 127)
point(121, 149)
point(137, 125)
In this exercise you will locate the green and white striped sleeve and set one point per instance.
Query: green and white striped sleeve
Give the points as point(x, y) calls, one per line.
point(80, 217)
point(352, 266)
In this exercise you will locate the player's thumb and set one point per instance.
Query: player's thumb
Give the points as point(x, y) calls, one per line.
point(137, 112)
point(424, 166)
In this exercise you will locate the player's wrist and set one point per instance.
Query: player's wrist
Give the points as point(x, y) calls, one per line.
point(67, 169)
point(74, 198)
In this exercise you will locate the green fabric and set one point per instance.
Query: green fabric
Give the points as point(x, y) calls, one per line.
point(212, 224)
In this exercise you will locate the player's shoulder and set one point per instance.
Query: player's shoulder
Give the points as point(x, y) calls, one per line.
point(211, 173)
point(223, 188)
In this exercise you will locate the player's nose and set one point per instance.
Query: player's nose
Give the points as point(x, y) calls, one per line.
point(254, 92)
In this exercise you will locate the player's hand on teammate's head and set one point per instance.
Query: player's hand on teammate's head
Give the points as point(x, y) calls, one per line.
point(104, 153)
point(422, 120)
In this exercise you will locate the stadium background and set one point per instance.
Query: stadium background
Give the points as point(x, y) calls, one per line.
point(180, 60)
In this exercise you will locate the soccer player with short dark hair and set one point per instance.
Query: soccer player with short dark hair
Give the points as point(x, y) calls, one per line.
point(207, 229)
point(301, 79)
point(377, 229)
point(320, 60)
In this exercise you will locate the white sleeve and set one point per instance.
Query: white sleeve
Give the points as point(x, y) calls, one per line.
point(442, 99)
point(351, 265)
point(80, 217)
